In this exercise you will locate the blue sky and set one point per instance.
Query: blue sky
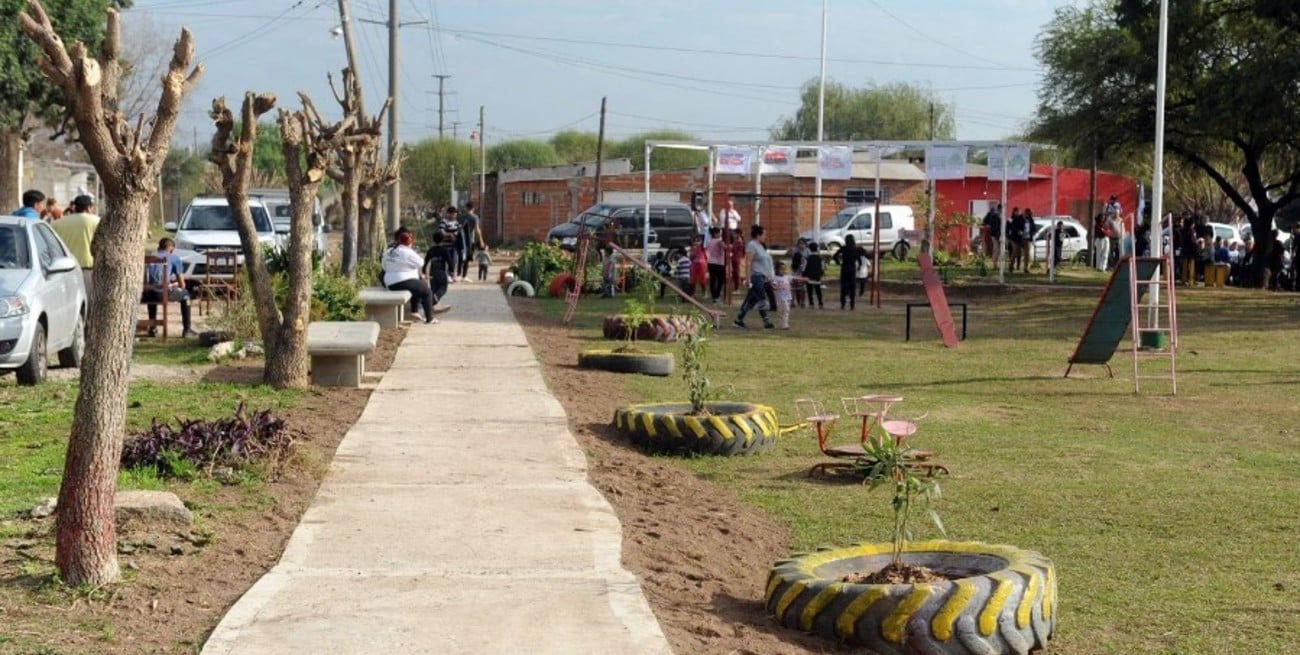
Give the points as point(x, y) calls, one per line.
point(721, 69)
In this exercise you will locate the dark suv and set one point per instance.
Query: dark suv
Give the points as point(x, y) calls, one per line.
point(671, 225)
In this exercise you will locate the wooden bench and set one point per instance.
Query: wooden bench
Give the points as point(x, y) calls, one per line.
point(385, 307)
point(338, 351)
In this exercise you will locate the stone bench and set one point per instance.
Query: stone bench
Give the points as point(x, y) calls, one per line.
point(385, 307)
point(338, 351)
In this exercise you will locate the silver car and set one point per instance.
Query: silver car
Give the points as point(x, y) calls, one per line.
point(42, 301)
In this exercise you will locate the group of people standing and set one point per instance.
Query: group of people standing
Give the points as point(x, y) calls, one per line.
point(456, 238)
point(1019, 246)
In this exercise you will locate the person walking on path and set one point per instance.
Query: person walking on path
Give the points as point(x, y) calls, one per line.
point(78, 231)
point(848, 258)
point(760, 272)
point(471, 238)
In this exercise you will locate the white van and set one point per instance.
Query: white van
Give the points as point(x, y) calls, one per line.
point(277, 205)
point(895, 222)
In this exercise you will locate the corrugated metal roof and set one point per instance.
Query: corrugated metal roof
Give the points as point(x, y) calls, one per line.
point(570, 171)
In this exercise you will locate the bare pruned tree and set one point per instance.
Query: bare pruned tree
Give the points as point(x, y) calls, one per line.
point(363, 136)
point(127, 156)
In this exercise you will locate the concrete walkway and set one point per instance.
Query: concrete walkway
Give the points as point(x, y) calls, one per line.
point(456, 518)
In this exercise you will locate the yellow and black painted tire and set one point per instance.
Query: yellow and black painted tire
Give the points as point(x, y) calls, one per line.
point(1000, 600)
point(643, 363)
point(730, 429)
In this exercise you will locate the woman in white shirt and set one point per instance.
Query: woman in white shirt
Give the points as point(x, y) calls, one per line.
point(402, 273)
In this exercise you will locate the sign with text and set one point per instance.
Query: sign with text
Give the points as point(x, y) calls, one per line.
point(778, 160)
point(735, 160)
point(835, 162)
point(1013, 161)
point(946, 162)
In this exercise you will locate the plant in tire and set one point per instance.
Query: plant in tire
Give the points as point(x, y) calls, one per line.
point(890, 463)
point(694, 354)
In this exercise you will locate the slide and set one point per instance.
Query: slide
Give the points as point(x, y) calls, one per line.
point(1110, 320)
point(938, 300)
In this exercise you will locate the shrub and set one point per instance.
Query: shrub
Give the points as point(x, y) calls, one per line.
point(335, 298)
point(539, 262)
point(259, 439)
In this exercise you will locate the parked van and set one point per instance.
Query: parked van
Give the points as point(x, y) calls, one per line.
point(671, 225)
point(896, 222)
point(208, 224)
point(277, 205)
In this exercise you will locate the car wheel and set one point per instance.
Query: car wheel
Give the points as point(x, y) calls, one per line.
point(900, 251)
point(32, 372)
point(70, 357)
point(1083, 257)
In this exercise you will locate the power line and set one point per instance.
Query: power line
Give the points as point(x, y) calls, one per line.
point(931, 39)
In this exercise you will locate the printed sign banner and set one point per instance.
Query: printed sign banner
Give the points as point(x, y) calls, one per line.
point(946, 162)
point(1017, 163)
point(735, 160)
point(835, 162)
point(777, 160)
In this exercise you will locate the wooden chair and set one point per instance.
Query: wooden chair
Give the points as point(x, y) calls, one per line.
point(155, 294)
point(220, 278)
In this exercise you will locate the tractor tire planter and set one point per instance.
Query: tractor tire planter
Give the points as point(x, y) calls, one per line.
point(617, 362)
point(997, 600)
point(663, 328)
point(730, 429)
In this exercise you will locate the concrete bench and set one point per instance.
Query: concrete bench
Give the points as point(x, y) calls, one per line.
point(385, 307)
point(338, 351)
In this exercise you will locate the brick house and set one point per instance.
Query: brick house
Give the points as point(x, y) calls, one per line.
point(523, 205)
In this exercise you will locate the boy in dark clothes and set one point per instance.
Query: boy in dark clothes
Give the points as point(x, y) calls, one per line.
point(438, 263)
point(813, 270)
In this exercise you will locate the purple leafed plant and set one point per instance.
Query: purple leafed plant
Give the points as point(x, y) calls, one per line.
point(259, 438)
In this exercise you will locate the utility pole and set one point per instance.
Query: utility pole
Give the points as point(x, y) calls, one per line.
point(600, 150)
point(455, 130)
point(345, 23)
point(482, 158)
point(394, 151)
point(442, 92)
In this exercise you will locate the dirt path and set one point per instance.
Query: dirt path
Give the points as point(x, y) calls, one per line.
point(701, 554)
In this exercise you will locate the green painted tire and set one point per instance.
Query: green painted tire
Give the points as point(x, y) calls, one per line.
point(733, 428)
point(643, 363)
point(1001, 600)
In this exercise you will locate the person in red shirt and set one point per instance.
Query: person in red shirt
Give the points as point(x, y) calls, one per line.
point(700, 267)
point(737, 252)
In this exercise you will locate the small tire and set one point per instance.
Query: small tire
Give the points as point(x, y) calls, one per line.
point(732, 429)
point(643, 363)
point(998, 600)
point(560, 285)
point(520, 288)
point(34, 370)
point(70, 357)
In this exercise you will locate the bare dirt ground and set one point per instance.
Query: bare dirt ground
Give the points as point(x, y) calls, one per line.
point(702, 555)
point(179, 584)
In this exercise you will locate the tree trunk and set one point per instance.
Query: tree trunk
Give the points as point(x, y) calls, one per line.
point(86, 552)
point(10, 146)
point(351, 180)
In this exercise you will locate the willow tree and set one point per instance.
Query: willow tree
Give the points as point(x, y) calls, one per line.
point(128, 153)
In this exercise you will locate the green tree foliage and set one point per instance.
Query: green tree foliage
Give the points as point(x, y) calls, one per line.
point(1232, 108)
point(573, 147)
point(24, 91)
point(521, 153)
point(662, 159)
point(896, 111)
point(182, 178)
point(426, 174)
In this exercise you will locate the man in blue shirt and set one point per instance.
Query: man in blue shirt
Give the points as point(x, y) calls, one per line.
point(31, 200)
point(172, 277)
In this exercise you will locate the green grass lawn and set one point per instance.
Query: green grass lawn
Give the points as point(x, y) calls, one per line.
point(37, 420)
point(1174, 521)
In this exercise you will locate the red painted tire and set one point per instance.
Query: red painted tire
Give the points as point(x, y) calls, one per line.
point(560, 285)
point(659, 328)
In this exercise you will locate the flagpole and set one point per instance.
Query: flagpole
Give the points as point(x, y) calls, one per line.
point(821, 134)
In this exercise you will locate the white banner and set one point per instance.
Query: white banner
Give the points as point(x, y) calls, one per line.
point(1016, 166)
point(835, 162)
point(946, 162)
point(735, 160)
point(778, 160)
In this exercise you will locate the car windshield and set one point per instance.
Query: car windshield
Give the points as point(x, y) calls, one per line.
point(13, 247)
point(218, 217)
point(840, 219)
point(595, 216)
